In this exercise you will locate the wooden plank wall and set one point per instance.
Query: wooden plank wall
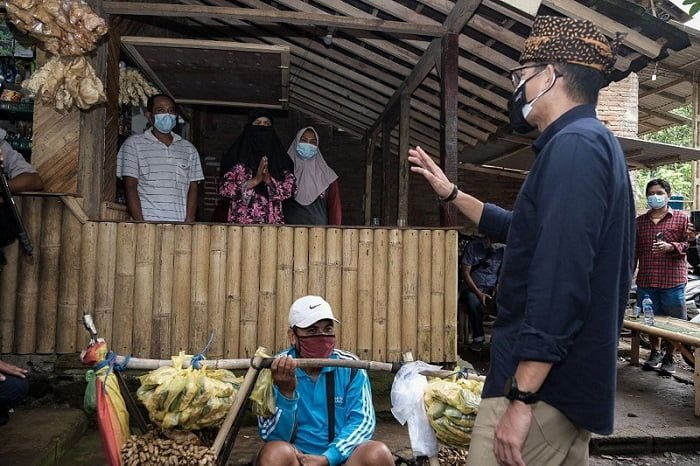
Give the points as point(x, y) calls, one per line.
point(156, 289)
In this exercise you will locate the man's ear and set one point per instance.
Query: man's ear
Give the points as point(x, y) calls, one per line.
point(292, 337)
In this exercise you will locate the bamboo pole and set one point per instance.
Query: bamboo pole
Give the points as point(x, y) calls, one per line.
point(351, 245)
point(86, 278)
point(8, 297)
point(301, 262)
point(268, 279)
point(68, 285)
point(437, 297)
point(250, 283)
point(393, 308)
point(105, 278)
point(143, 288)
point(163, 290)
point(28, 280)
point(285, 285)
point(317, 262)
point(182, 263)
point(217, 289)
point(424, 298)
point(232, 326)
point(199, 306)
point(451, 294)
point(409, 292)
point(123, 319)
point(50, 249)
point(381, 293)
point(334, 275)
point(365, 288)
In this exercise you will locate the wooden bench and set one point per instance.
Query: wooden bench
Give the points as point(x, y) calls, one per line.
point(674, 330)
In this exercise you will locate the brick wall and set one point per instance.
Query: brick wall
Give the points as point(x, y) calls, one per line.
point(618, 106)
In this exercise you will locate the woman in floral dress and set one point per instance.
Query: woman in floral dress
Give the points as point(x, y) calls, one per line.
point(257, 174)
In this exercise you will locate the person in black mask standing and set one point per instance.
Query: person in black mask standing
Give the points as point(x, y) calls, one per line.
point(568, 262)
point(257, 174)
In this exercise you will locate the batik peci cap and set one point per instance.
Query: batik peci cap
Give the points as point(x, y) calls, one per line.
point(555, 39)
point(308, 310)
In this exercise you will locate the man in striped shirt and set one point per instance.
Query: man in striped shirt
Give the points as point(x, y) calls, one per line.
point(160, 169)
point(323, 416)
point(662, 243)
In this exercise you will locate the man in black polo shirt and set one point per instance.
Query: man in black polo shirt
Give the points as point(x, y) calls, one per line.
point(568, 262)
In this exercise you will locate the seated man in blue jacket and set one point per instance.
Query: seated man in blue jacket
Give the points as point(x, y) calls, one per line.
point(323, 416)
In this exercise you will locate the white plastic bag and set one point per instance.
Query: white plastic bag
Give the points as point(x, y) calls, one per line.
point(407, 406)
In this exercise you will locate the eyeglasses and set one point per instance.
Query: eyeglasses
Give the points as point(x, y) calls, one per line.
point(516, 74)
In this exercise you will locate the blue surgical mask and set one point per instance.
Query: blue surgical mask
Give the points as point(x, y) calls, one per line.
point(306, 150)
point(164, 122)
point(656, 201)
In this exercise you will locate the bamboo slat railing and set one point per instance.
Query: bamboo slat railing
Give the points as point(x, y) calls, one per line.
point(156, 289)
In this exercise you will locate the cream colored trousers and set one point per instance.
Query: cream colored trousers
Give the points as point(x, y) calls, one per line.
point(552, 440)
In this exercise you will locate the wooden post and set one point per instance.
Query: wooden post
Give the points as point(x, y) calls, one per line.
point(404, 129)
point(451, 294)
point(163, 291)
point(301, 262)
point(350, 256)
point(232, 332)
point(317, 262)
point(268, 282)
point(449, 119)
point(182, 262)
point(365, 286)
point(68, 285)
point(106, 263)
point(28, 280)
point(8, 294)
point(409, 293)
point(386, 178)
point(217, 290)
point(250, 283)
point(86, 288)
point(199, 304)
point(379, 305)
point(394, 315)
point(123, 322)
point(437, 297)
point(50, 247)
point(143, 288)
point(424, 300)
point(285, 284)
point(368, 145)
point(334, 274)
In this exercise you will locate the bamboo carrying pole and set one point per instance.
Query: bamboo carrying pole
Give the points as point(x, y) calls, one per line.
point(232, 329)
point(68, 285)
point(199, 305)
point(123, 321)
point(317, 262)
point(409, 285)
point(365, 289)
point(379, 305)
point(250, 282)
point(217, 289)
point(437, 297)
point(50, 249)
point(182, 262)
point(268, 278)
point(143, 288)
point(88, 268)
point(424, 288)
point(8, 297)
point(285, 284)
point(28, 280)
point(351, 247)
point(301, 262)
point(334, 274)
point(393, 313)
point(451, 292)
point(163, 290)
point(105, 278)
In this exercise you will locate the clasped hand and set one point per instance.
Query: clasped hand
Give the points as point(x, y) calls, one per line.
point(661, 247)
point(284, 376)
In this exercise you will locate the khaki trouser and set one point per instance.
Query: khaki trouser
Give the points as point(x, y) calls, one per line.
point(552, 439)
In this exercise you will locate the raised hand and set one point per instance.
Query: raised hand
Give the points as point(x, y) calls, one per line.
point(425, 166)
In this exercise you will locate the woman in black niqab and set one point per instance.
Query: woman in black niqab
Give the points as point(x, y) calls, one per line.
point(257, 155)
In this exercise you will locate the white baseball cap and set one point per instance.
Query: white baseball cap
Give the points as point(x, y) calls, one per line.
point(308, 310)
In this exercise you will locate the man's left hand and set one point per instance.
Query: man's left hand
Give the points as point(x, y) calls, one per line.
point(662, 247)
point(312, 460)
point(511, 433)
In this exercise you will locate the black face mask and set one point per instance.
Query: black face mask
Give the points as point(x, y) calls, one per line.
point(516, 102)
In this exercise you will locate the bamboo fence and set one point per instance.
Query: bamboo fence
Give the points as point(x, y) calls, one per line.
point(157, 289)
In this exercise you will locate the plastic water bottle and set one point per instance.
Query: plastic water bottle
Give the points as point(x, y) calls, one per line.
point(648, 310)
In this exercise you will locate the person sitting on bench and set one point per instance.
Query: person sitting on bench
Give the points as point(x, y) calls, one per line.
point(324, 416)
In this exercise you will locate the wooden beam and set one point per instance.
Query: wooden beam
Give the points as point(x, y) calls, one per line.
point(386, 157)
point(368, 144)
point(677, 119)
point(510, 173)
point(455, 21)
point(304, 107)
point(653, 90)
point(404, 129)
point(449, 151)
point(634, 40)
point(270, 16)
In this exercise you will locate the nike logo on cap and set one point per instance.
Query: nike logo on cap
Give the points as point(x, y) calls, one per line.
point(315, 306)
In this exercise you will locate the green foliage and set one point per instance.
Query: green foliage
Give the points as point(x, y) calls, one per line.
point(679, 175)
point(694, 8)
